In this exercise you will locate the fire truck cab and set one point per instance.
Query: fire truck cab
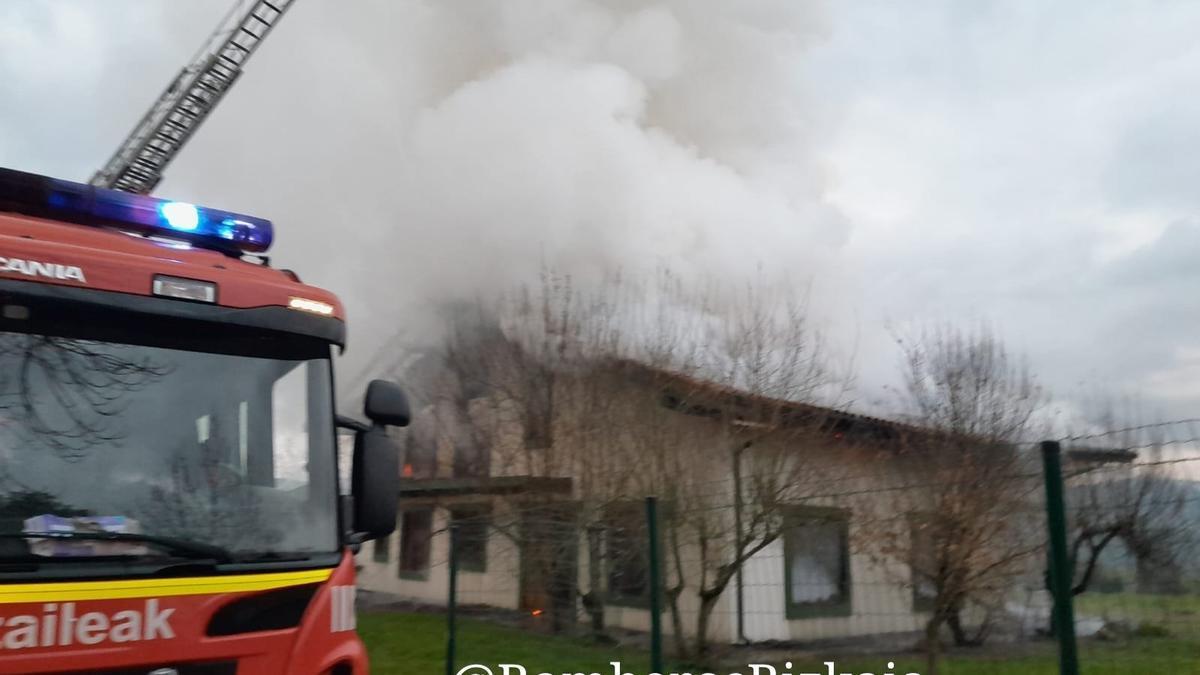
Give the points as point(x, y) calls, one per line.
point(169, 490)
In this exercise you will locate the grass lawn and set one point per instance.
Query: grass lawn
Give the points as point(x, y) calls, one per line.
point(415, 644)
point(1181, 612)
point(1169, 626)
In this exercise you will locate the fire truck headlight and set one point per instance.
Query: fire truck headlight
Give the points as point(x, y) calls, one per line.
point(314, 306)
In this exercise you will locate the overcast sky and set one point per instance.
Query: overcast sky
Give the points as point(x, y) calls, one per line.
point(1030, 164)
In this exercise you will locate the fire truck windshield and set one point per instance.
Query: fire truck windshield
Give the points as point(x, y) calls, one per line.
point(201, 435)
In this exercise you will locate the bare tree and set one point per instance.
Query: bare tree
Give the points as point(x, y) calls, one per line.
point(965, 533)
point(66, 394)
point(1125, 491)
point(751, 364)
point(1140, 507)
point(636, 388)
point(522, 392)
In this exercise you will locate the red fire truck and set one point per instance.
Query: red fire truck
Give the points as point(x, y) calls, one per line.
point(169, 490)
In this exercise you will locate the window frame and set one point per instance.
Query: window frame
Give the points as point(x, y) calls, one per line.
point(479, 513)
point(402, 571)
point(841, 606)
point(616, 514)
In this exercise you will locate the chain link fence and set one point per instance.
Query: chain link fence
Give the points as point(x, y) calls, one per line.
point(921, 565)
point(1131, 534)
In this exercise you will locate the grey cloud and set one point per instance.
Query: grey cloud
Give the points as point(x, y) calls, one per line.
point(1157, 162)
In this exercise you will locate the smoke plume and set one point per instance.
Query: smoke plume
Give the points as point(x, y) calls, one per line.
point(415, 153)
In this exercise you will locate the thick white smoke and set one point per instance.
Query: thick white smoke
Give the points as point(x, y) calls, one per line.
point(414, 150)
point(459, 147)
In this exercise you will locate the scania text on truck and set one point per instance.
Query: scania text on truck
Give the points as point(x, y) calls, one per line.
point(169, 490)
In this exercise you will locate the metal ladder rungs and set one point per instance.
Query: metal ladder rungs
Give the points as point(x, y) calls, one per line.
point(187, 102)
point(196, 99)
point(169, 142)
point(213, 84)
point(221, 70)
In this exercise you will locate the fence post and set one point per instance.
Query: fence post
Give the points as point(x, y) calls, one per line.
point(740, 587)
point(656, 662)
point(1061, 572)
point(451, 602)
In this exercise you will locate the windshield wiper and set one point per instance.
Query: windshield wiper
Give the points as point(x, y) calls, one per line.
point(272, 556)
point(181, 547)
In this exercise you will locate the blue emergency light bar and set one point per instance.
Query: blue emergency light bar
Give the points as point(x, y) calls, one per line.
point(56, 199)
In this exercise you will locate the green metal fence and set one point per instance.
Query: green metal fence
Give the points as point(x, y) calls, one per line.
point(1070, 556)
point(1130, 525)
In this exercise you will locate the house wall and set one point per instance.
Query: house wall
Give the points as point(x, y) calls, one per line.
point(859, 480)
point(881, 602)
point(841, 475)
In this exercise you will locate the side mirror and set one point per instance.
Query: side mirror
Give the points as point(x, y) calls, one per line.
point(375, 483)
point(386, 404)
